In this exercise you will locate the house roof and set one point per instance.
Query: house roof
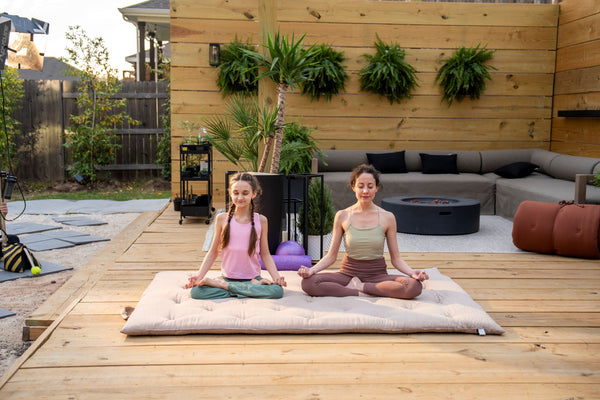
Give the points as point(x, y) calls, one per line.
point(52, 69)
point(155, 13)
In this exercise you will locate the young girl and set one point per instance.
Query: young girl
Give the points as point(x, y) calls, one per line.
point(241, 235)
point(364, 228)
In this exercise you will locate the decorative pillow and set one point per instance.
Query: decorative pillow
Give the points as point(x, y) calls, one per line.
point(439, 164)
point(388, 163)
point(516, 170)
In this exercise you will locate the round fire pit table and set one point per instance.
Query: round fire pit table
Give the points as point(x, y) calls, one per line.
point(428, 215)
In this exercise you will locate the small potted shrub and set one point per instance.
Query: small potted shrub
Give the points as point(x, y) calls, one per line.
point(387, 73)
point(464, 73)
point(327, 76)
point(315, 210)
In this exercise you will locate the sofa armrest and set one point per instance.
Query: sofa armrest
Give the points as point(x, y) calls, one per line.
point(581, 182)
point(314, 165)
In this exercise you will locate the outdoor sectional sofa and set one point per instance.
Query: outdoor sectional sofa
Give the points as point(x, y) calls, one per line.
point(552, 181)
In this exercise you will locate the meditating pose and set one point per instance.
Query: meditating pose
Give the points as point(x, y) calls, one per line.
point(365, 228)
point(241, 236)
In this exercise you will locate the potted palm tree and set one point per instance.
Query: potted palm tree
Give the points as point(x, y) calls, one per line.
point(287, 63)
point(236, 135)
point(320, 214)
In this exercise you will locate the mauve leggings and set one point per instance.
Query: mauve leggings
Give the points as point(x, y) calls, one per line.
point(372, 272)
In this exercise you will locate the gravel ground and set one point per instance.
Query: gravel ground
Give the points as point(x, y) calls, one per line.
point(23, 296)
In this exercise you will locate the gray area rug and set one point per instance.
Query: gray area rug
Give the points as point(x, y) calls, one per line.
point(47, 269)
point(5, 313)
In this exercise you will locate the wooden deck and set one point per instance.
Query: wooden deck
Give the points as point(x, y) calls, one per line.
point(548, 305)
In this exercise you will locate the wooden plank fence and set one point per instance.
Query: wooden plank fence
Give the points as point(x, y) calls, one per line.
point(45, 115)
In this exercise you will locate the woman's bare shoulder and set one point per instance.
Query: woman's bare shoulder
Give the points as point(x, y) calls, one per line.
point(386, 216)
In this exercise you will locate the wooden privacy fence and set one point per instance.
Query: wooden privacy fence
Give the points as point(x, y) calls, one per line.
point(45, 116)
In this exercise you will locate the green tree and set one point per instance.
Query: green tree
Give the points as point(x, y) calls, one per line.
point(12, 96)
point(91, 136)
point(163, 147)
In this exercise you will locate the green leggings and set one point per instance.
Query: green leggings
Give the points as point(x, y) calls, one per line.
point(238, 288)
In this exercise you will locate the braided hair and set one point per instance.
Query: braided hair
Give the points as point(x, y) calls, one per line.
point(250, 179)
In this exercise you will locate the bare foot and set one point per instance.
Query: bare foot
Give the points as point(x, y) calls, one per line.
point(356, 283)
point(261, 282)
point(217, 282)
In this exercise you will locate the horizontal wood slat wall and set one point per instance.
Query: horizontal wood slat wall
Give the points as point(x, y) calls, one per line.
point(577, 80)
point(514, 112)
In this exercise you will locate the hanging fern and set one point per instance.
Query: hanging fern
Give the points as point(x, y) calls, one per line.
point(238, 70)
point(387, 73)
point(464, 73)
point(328, 76)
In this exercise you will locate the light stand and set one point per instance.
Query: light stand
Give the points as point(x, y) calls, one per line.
point(7, 183)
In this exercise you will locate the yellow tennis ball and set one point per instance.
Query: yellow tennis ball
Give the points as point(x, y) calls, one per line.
point(36, 270)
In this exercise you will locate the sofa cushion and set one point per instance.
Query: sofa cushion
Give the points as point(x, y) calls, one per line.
point(543, 158)
point(519, 169)
point(387, 163)
point(439, 164)
point(342, 160)
point(565, 167)
point(510, 193)
point(494, 159)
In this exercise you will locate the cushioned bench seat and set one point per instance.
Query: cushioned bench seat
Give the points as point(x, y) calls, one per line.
point(477, 176)
point(510, 193)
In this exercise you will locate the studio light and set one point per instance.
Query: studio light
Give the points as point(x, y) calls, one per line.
point(27, 41)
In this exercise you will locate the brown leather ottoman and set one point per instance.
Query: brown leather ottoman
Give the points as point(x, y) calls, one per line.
point(568, 230)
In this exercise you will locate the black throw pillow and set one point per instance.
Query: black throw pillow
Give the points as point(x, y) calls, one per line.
point(516, 170)
point(388, 163)
point(439, 164)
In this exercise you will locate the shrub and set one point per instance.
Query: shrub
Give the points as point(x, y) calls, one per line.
point(315, 209)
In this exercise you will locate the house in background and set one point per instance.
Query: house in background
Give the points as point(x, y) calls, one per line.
point(151, 19)
point(53, 69)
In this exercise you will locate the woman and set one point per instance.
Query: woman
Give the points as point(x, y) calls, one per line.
point(364, 227)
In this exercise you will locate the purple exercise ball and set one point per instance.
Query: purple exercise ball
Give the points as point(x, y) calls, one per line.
point(290, 248)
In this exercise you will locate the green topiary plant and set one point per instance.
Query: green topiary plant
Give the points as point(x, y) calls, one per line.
point(327, 77)
point(464, 73)
point(238, 70)
point(387, 73)
point(315, 209)
point(596, 180)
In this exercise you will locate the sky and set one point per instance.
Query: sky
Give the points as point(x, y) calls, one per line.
point(96, 17)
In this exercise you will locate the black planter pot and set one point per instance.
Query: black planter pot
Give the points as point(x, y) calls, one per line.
point(270, 204)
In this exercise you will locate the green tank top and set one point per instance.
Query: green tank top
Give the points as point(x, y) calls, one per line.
point(364, 243)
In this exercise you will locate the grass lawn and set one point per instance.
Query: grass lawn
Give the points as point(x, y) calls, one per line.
point(108, 190)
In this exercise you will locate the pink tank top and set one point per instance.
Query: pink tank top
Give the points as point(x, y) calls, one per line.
point(237, 264)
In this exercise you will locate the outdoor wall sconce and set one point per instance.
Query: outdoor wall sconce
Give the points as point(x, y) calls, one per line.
point(214, 54)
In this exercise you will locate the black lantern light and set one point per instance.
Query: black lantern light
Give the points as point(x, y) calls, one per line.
point(214, 54)
point(9, 184)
